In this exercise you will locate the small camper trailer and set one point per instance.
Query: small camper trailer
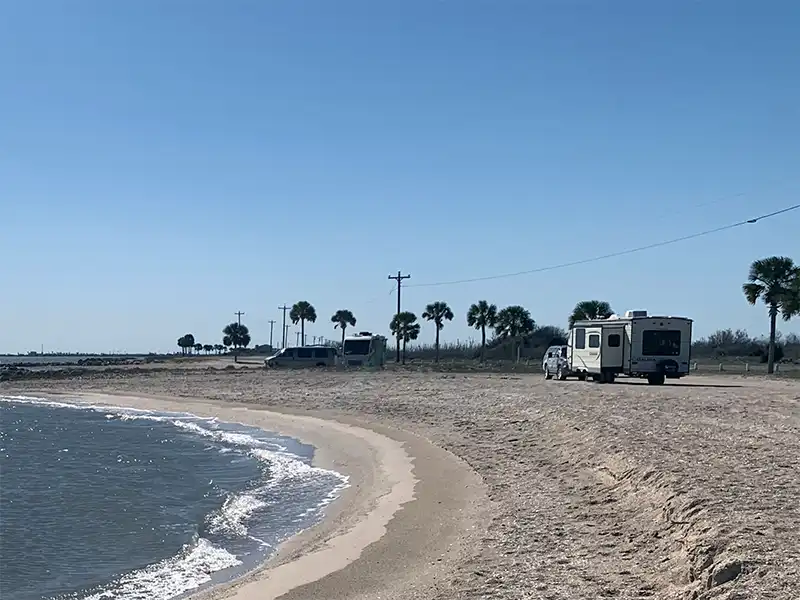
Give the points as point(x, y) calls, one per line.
point(637, 345)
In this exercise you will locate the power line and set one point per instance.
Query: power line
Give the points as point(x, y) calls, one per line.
point(613, 254)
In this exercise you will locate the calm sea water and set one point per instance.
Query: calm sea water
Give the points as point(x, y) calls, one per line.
point(101, 503)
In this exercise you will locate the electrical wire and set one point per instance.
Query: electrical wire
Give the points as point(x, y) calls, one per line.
point(611, 255)
point(382, 296)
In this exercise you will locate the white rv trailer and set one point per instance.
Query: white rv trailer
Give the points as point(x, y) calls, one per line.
point(636, 345)
point(364, 349)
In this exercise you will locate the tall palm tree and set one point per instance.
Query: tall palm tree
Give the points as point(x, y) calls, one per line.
point(341, 319)
point(301, 312)
point(236, 335)
point(208, 348)
point(198, 348)
point(514, 322)
point(590, 309)
point(480, 316)
point(438, 312)
point(775, 281)
point(186, 343)
point(405, 327)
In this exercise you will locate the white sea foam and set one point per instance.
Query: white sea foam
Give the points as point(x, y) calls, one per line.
point(186, 571)
point(235, 511)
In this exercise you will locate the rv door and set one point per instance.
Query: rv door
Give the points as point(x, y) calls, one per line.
point(613, 352)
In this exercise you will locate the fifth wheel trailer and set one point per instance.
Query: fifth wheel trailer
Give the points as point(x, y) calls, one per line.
point(652, 347)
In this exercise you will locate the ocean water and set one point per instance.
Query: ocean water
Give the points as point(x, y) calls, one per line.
point(102, 502)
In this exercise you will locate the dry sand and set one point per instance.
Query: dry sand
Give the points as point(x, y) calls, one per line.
point(690, 490)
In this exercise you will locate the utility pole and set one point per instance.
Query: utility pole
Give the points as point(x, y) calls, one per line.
point(271, 325)
point(399, 279)
point(239, 315)
point(297, 338)
point(285, 334)
point(284, 308)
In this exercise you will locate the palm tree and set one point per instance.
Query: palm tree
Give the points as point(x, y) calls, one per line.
point(405, 327)
point(590, 309)
point(198, 348)
point(341, 319)
point(219, 348)
point(438, 312)
point(514, 322)
point(301, 312)
point(186, 342)
point(208, 348)
point(236, 335)
point(775, 281)
point(480, 316)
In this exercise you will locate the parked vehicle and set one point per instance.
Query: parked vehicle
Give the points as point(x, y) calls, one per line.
point(655, 348)
point(303, 356)
point(555, 362)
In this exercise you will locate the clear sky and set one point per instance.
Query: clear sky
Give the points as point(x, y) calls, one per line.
point(164, 164)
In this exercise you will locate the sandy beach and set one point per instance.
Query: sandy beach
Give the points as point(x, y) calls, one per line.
point(509, 486)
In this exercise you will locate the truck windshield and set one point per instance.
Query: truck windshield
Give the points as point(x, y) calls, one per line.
point(357, 347)
point(661, 342)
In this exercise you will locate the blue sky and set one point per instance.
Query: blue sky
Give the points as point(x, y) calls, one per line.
point(165, 164)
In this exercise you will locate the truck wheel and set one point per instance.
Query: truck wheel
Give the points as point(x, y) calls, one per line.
point(560, 374)
point(656, 379)
point(547, 374)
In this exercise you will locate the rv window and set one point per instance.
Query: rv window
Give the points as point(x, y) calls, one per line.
point(357, 347)
point(594, 340)
point(613, 340)
point(321, 352)
point(304, 353)
point(661, 342)
point(580, 339)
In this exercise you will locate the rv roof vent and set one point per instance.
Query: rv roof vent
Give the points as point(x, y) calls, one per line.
point(630, 314)
point(614, 316)
point(364, 333)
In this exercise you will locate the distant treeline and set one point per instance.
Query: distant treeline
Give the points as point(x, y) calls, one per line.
point(720, 344)
point(738, 343)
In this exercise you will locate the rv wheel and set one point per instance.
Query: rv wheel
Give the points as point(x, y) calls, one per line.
point(656, 379)
point(581, 376)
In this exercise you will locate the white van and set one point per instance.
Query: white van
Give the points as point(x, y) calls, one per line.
point(303, 356)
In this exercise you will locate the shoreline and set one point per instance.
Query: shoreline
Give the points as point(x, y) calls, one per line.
point(381, 482)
